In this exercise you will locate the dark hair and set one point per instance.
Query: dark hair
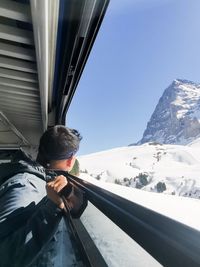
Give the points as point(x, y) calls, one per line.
point(57, 143)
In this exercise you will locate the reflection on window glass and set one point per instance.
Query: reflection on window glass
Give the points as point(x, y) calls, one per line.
point(117, 248)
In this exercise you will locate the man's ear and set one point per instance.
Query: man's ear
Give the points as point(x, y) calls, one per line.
point(70, 163)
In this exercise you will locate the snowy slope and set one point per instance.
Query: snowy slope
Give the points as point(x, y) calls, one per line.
point(171, 169)
point(178, 167)
point(176, 119)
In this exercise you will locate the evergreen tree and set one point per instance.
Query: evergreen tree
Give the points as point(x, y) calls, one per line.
point(76, 169)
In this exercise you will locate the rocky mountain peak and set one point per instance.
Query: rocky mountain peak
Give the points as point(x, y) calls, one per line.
point(176, 118)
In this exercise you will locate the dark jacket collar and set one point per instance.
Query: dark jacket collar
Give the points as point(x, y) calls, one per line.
point(21, 165)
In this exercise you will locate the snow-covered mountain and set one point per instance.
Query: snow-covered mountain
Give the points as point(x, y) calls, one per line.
point(176, 119)
point(159, 164)
point(171, 169)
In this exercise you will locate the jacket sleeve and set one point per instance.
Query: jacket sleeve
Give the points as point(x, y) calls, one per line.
point(25, 229)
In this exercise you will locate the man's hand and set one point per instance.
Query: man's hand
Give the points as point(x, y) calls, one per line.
point(54, 187)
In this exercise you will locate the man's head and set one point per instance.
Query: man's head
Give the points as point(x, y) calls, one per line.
point(58, 146)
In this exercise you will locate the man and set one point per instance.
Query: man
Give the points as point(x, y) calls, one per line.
point(31, 203)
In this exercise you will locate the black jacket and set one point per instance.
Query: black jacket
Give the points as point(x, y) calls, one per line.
point(28, 220)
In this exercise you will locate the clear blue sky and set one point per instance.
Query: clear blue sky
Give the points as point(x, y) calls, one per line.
point(142, 46)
